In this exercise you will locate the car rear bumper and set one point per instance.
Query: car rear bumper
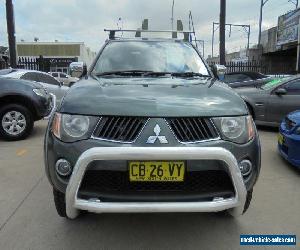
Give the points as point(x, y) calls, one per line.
point(235, 204)
point(284, 154)
point(290, 149)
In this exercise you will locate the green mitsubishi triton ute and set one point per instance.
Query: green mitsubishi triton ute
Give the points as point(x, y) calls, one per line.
point(149, 128)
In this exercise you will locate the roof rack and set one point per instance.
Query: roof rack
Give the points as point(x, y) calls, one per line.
point(138, 32)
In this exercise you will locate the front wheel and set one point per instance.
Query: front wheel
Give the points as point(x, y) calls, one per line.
point(246, 205)
point(60, 203)
point(16, 122)
point(248, 200)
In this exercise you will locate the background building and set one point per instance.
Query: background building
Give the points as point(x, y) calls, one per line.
point(277, 52)
point(3, 53)
point(56, 56)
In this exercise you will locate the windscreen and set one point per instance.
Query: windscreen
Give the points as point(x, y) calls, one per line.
point(157, 56)
point(275, 82)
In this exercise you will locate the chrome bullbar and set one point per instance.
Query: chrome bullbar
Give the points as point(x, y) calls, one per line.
point(235, 204)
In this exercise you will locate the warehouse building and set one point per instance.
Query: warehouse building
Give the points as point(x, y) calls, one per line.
point(56, 56)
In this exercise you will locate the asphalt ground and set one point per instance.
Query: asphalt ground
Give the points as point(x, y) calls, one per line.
point(28, 218)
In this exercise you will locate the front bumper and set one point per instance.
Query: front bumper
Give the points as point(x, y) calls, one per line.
point(235, 204)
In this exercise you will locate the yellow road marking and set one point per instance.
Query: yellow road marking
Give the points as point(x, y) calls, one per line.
point(21, 152)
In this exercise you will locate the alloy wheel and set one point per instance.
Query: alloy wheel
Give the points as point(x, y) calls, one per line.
point(13, 122)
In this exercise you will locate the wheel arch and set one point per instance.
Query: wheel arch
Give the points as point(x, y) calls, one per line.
point(250, 108)
point(21, 100)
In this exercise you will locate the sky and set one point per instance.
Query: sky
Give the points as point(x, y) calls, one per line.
point(84, 20)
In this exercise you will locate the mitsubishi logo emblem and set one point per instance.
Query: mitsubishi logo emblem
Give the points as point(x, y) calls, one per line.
point(152, 139)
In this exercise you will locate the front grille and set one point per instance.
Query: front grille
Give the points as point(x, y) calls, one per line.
point(106, 183)
point(118, 128)
point(289, 124)
point(192, 129)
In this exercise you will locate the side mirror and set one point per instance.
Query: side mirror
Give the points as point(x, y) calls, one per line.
point(280, 91)
point(219, 71)
point(78, 69)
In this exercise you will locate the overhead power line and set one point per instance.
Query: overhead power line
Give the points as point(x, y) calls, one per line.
point(245, 27)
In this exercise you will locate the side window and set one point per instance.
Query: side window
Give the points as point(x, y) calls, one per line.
point(62, 75)
point(293, 88)
point(54, 74)
point(30, 76)
point(243, 77)
point(47, 79)
point(236, 78)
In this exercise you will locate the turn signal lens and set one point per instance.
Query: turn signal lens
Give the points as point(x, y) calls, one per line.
point(56, 125)
point(251, 131)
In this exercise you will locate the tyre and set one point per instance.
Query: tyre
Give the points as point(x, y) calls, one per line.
point(248, 200)
point(60, 203)
point(16, 122)
point(246, 206)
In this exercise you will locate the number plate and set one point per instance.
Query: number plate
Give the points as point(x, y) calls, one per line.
point(164, 171)
point(280, 139)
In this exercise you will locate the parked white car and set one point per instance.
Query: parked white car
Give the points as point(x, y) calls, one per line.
point(67, 80)
point(52, 85)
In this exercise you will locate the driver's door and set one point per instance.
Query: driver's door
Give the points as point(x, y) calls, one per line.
point(278, 106)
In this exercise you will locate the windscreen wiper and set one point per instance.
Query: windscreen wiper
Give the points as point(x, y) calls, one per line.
point(188, 74)
point(157, 73)
point(124, 73)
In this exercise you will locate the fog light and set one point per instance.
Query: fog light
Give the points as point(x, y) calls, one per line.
point(245, 167)
point(63, 167)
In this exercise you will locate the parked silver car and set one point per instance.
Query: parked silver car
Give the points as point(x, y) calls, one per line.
point(64, 78)
point(49, 82)
point(271, 102)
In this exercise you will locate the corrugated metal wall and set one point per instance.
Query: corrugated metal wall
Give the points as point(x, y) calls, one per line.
point(48, 49)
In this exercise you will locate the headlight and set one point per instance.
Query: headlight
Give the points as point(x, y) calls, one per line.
point(70, 128)
point(40, 92)
point(238, 129)
point(75, 125)
point(233, 127)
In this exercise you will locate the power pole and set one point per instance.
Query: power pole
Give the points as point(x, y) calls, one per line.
point(222, 31)
point(262, 4)
point(202, 45)
point(11, 33)
point(298, 52)
point(248, 42)
point(172, 18)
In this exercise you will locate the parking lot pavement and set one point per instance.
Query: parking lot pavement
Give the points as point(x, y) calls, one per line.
point(28, 219)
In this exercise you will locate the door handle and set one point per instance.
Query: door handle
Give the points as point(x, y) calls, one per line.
point(259, 104)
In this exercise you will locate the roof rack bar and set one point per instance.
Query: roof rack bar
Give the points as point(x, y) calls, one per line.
point(156, 31)
point(186, 33)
